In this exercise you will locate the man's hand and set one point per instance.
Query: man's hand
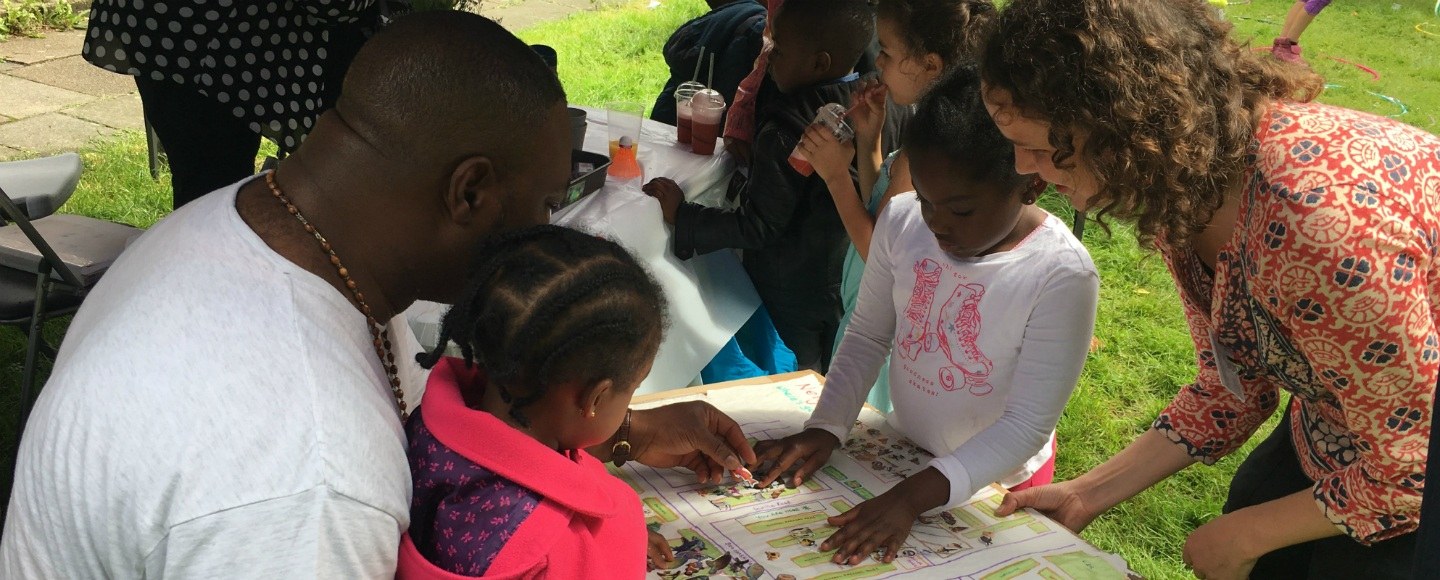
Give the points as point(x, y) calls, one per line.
point(669, 194)
point(812, 447)
point(693, 435)
point(826, 153)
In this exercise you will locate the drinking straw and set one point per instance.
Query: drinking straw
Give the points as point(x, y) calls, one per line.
point(699, 61)
point(710, 81)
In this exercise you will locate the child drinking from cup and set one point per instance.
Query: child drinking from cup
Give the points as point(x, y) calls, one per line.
point(557, 328)
point(792, 237)
point(919, 41)
point(987, 303)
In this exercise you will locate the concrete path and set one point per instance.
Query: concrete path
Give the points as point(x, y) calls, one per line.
point(51, 100)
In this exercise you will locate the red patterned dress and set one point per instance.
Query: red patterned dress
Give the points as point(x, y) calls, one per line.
point(1328, 289)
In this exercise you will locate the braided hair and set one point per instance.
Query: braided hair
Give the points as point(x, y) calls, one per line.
point(548, 305)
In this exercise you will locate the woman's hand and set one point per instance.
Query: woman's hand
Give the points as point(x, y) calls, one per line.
point(826, 153)
point(812, 446)
point(1219, 550)
point(1061, 502)
point(694, 435)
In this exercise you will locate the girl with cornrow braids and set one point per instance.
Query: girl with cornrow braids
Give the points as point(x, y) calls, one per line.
point(556, 330)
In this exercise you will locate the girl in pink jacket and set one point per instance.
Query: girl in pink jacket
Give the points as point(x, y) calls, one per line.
point(557, 329)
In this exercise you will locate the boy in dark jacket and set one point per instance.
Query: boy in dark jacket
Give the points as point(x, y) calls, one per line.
point(732, 31)
point(792, 237)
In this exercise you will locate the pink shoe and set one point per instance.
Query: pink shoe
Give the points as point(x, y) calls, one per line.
point(1286, 50)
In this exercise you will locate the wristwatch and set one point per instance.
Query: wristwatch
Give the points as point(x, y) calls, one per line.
point(620, 451)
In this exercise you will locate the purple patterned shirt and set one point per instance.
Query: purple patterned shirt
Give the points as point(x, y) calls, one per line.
point(462, 514)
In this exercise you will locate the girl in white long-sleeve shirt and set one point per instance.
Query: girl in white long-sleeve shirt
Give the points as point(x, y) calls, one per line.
point(986, 304)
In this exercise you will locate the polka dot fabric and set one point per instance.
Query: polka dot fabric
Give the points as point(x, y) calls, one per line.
point(267, 60)
point(1329, 290)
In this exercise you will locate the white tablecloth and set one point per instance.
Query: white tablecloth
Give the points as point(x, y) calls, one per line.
point(710, 296)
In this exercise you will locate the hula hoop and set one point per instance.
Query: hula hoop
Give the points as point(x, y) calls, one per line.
point(1374, 76)
point(1421, 29)
point(1392, 100)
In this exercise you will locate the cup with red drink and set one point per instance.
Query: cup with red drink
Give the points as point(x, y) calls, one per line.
point(832, 117)
point(707, 107)
point(683, 94)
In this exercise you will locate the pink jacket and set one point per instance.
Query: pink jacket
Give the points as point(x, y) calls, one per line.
point(588, 524)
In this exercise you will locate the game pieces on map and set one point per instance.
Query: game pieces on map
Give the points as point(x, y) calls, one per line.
point(741, 530)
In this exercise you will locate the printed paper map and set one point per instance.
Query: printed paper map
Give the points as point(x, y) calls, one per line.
point(732, 531)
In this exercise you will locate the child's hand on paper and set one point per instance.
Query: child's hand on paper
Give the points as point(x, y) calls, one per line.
point(885, 521)
point(658, 551)
point(668, 193)
point(811, 447)
point(827, 154)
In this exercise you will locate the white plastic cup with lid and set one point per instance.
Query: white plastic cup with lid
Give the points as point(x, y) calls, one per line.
point(707, 107)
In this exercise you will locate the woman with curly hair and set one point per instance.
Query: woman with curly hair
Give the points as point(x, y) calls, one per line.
point(1304, 241)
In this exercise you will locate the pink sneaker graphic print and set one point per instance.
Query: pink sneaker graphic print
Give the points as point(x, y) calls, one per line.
point(955, 333)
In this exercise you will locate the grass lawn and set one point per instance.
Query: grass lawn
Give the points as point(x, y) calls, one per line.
point(1145, 353)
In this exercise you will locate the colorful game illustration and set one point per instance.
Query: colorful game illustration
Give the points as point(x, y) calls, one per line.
point(738, 530)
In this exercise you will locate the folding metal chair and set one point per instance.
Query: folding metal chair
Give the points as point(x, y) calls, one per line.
point(42, 279)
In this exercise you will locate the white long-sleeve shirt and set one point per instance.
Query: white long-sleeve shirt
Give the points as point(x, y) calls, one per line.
point(986, 350)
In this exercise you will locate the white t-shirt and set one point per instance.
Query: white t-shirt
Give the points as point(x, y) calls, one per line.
point(987, 351)
point(215, 412)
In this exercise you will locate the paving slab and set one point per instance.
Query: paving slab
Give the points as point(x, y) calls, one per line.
point(50, 133)
point(73, 73)
point(53, 46)
point(27, 98)
point(6, 65)
point(122, 112)
point(8, 153)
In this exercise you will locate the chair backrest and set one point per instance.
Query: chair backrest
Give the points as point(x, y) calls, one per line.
point(49, 258)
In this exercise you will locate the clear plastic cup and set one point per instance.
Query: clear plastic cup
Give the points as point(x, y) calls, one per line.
point(707, 107)
point(832, 116)
point(624, 120)
point(683, 94)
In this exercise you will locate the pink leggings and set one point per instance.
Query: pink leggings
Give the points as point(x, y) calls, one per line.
point(1044, 475)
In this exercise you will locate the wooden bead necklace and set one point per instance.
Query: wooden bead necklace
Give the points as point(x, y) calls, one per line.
point(379, 334)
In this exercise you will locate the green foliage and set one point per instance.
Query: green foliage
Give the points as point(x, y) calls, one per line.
point(33, 17)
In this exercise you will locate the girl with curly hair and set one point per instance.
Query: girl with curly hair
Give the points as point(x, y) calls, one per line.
point(1304, 241)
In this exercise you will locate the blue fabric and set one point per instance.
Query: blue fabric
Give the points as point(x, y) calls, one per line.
point(755, 351)
point(850, 287)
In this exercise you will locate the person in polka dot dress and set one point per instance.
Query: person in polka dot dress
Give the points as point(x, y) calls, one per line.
point(216, 76)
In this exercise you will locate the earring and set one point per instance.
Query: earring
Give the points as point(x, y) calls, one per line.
point(592, 412)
